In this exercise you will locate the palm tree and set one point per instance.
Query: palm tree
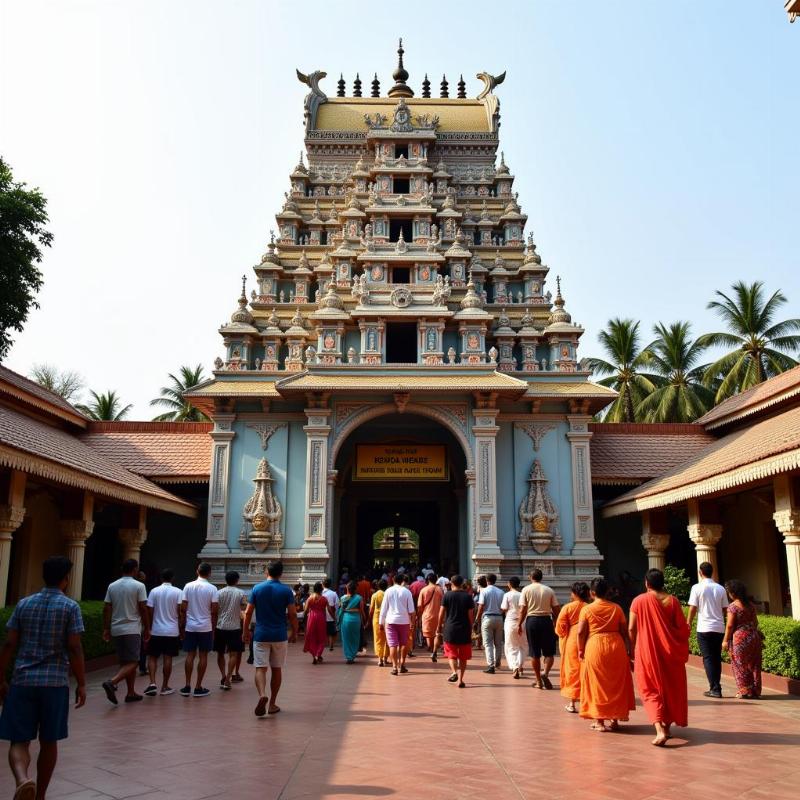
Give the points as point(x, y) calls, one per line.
point(680, 395)
point(172, 397)
point(105, 407)
point(621, 344)
point(758, 343)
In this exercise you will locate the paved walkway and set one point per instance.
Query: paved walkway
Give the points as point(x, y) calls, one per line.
point(357, 731)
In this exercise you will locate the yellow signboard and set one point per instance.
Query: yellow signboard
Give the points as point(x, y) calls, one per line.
point(406, 462)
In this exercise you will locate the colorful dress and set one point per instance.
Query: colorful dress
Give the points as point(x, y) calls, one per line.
point(316, 633)
point(662, 650)
point(745, 649)
point(350, 625)
point(567, 632)
point(378, 634)
point(606, 683)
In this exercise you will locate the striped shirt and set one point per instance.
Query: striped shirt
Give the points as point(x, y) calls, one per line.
point(44, 621)
point(231, 600)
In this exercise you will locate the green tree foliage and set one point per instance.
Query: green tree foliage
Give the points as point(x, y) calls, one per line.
point(66, 383)
point(758, 345)
point(105, 407)
point(677, 582)
point(23, 216)
point(624, 365)
point(680, 395)
point(171, 397)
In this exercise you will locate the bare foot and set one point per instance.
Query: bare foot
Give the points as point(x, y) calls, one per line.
point(598, 726)
point(660, 740)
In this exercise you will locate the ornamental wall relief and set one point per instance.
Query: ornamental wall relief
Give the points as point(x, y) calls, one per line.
point(537, 514)
point(262, 513)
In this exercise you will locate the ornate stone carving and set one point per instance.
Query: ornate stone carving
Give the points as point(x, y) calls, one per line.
point(537, 431)
point(401, 297)
point(262, 512)
point(265, 431)
point(346, 410)
point(537, 513)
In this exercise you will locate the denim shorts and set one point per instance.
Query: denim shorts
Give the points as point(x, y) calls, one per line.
point(35, 712)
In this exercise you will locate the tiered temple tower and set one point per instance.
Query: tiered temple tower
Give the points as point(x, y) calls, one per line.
point(401, 301)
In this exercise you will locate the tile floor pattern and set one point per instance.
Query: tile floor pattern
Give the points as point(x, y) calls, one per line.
point(357, 731)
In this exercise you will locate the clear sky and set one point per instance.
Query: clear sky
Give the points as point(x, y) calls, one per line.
point(654, 144)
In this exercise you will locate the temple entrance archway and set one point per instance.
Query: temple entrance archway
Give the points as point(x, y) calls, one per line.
point(383, 518)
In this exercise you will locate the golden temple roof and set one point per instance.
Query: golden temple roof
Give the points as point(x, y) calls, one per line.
point(347, 113)
point(225, 387)
point(538, 389)
point(483, 382)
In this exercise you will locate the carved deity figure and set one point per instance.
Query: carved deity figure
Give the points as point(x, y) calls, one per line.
point(263, 512)
point(537, 513)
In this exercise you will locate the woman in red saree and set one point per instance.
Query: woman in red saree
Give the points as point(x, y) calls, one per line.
point(316, 634)
point(567, 632)
point(660, 641)
point(743, 641)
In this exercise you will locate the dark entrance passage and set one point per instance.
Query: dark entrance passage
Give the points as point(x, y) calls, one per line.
point(381, 524)
point(391, 533)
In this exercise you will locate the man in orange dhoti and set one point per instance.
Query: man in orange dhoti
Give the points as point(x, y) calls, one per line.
point(567, 632)
point(660, 640)
point(428, 604)
point(604, 649)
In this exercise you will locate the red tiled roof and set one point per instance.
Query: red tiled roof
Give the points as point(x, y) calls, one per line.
point(29, 392)
point(632, 453)
point(55, 454)
point(163, 451)
point(762, 396)
point(750, 454)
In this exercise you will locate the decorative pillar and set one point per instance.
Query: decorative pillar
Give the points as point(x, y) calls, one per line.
point(787, 519)
point(486, 552)
point(75, 532)
point(583, 513)
point(704, 535)
point(654, 539)
point(11, 516)
point(217, 528)
point(314, 552)
point(133, 538)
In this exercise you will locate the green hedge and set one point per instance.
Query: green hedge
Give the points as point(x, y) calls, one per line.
point(92, 612)
point(781, 655)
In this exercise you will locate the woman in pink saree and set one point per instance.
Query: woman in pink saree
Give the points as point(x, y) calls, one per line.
point(316, 633)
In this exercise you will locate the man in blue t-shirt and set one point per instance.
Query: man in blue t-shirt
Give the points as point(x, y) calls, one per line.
point(272, 601)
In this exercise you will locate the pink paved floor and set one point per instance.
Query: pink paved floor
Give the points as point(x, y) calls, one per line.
point(356, 731)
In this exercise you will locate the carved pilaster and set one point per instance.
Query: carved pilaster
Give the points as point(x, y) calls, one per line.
point(583, 514)
point(316, 539)
point(75, 532)
point(217, 529)
point(787, 520)
point(705, 537)
point(132, 540)
point(11, 515)
point(486, 552)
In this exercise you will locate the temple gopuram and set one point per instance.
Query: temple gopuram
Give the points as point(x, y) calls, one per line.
point(402, 382)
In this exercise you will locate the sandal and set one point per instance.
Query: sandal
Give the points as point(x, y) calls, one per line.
point(571, 709)
point(453, 678)
point(598, 726)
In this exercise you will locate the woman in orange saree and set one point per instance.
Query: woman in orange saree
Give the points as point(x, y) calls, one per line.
point(604, 650)
point(567, 632)
point(660, 641)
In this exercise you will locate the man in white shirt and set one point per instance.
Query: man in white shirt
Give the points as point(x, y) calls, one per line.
point(708, 601)
point(199, 606)
point(163, 610)
point(330, 611)
point(124, 623)
point(397, 614)
point(490, 619)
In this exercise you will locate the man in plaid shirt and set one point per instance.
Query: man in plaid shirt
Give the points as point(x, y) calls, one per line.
point(45, 629)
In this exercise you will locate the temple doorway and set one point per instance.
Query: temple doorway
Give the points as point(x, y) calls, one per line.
point(400, 498)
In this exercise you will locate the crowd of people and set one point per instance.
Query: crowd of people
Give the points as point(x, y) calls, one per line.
point(599, 648)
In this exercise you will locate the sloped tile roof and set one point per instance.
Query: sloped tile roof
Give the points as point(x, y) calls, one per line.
point(29, 392)
point(759, 451)
point(764, 395)
point(55, 454)
point(631, 453)
point(167, 452)
point(492, 381)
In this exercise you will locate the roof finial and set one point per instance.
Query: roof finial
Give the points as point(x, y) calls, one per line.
point(376, 86)
point(426, 86)
point(462, 87)
point(443, 87)
point(357, 86)
point(558, 288)
point(244, 284)
point(400, 75)
point(340, 86)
